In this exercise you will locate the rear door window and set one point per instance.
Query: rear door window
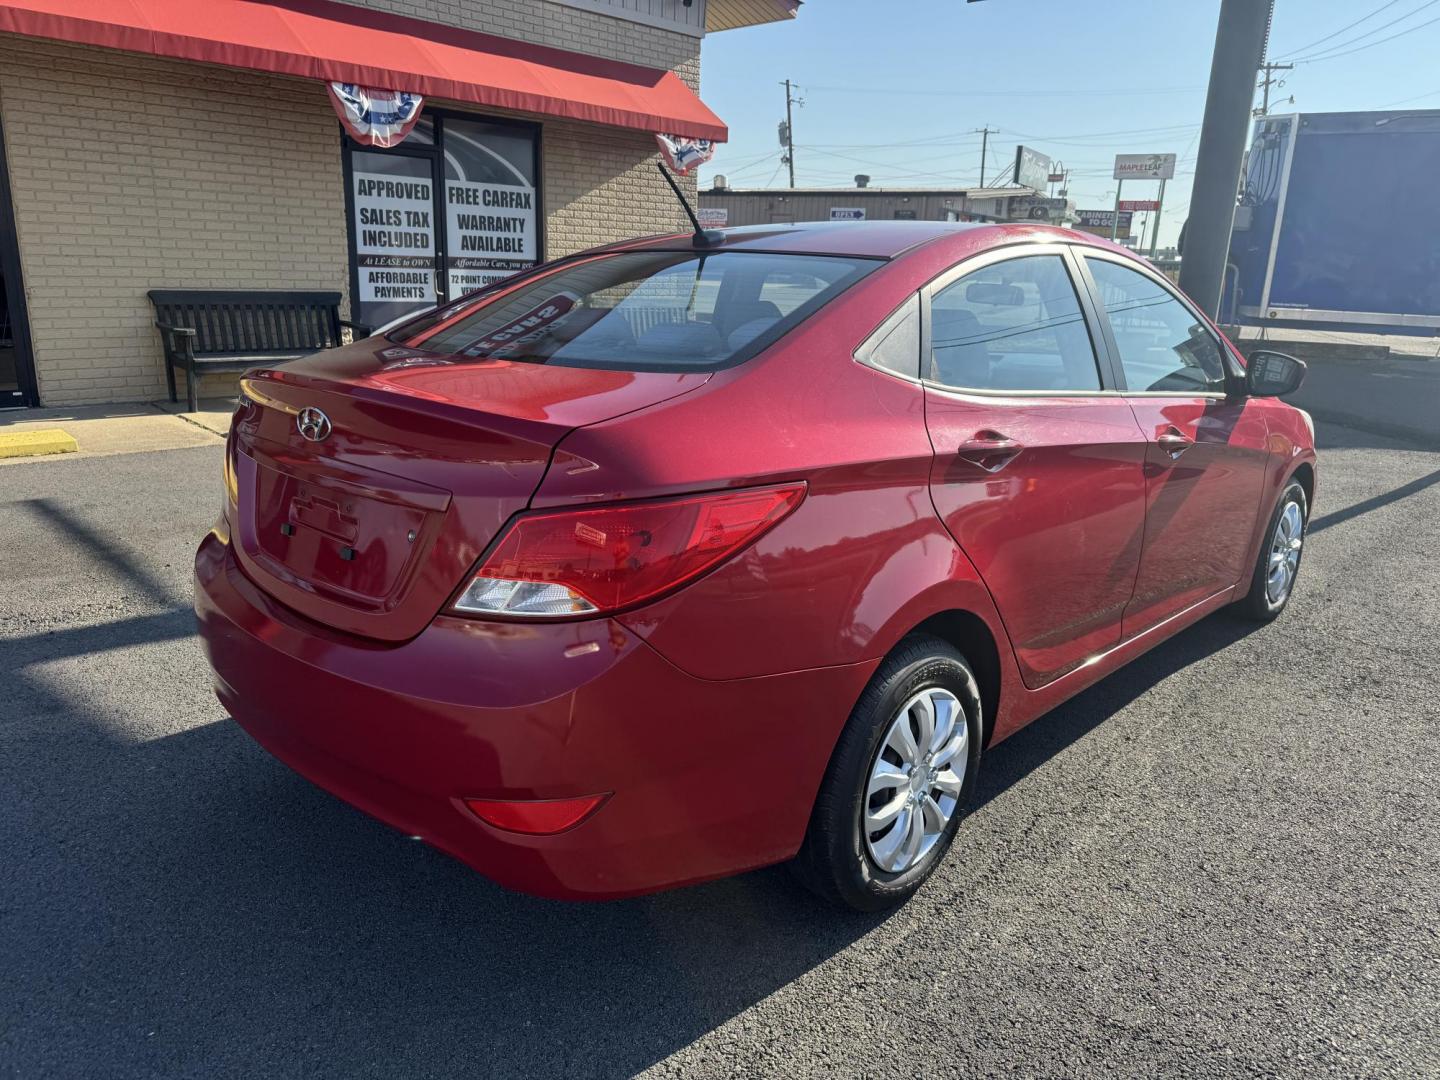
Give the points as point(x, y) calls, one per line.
point(1013, 325)
point(650, 310)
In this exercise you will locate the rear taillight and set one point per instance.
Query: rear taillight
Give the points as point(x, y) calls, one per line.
point(564, 563)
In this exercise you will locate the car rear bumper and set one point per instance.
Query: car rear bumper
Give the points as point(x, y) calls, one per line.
point(708, 778)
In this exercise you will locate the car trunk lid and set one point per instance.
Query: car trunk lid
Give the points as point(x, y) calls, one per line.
point(410, 465)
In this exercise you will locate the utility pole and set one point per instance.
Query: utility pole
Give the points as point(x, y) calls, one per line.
point(985, 134)
point(789, 139)
point(1268, 81)
point(1240, 42)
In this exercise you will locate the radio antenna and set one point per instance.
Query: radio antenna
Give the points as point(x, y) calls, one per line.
point(703, 237)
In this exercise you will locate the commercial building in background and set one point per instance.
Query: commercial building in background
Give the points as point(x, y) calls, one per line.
point(149, 144)
point(726, 207)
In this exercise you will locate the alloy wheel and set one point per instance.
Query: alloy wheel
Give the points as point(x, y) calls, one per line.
point(1285, 548)
point(915, 780)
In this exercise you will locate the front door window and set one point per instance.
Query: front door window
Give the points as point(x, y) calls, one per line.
point(1162, 346)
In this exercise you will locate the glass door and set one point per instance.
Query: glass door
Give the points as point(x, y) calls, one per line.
point(17, 371)
point(492, 225)
point(395, 255)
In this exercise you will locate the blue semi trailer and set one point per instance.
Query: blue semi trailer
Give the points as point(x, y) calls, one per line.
point(1338, 224)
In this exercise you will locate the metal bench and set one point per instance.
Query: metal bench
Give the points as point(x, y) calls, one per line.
point(205, 330)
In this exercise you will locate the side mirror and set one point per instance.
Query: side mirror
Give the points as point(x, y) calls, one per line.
point(1273, 374)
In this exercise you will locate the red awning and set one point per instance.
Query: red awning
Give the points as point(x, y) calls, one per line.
point(320, 39)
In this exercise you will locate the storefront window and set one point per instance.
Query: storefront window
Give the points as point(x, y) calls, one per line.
point(490, 203)
point(392, 234)
point(452, 208)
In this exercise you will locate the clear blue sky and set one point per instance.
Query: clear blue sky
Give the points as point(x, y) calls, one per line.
point(895, 88)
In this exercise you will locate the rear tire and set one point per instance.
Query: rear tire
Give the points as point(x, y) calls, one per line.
point(1278, 564)
point(899, 781)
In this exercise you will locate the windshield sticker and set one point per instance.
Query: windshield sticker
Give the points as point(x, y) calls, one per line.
point(526, 329)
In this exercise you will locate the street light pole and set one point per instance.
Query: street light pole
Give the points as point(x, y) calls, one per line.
point(1239, 49)
point(1268, 81)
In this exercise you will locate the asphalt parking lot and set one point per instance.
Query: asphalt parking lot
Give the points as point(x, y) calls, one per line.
point(1223, 860)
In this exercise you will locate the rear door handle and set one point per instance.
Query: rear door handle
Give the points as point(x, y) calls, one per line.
point(1173, 443)
point(990, 450)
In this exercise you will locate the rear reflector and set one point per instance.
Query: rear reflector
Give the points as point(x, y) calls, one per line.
point(536, 817)
point(555, 564)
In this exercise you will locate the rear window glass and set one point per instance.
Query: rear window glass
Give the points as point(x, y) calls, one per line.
point(644, 310)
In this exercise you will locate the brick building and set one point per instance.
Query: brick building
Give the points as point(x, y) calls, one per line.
point(150, 144)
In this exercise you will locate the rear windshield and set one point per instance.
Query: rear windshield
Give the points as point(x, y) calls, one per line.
point(643, 310)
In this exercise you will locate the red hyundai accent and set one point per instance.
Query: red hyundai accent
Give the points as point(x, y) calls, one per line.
point(686, 556)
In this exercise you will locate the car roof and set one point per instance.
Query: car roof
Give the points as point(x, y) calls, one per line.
point(862, 239)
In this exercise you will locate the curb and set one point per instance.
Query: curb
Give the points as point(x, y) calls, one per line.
point(18, 444)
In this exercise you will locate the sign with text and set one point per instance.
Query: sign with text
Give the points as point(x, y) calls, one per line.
point(1139, 204)
point(1032, 168)
point(847, 213)
point(1144, 167)
point(713, 217)
point(489, 232)
point(1101, 219)
point(394, 238)
point(1038, 208)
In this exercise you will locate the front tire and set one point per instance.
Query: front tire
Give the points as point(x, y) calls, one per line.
point(899, 781)
point(1278, 564)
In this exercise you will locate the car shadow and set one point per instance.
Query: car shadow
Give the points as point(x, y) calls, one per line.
point(188, 906)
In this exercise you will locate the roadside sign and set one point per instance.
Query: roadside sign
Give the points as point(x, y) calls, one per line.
point(1032, 168)
point(1144, 167)
point(1057, 178)
point(847, 213)
point(713, 217)
point(1101, 219)
point(1037, 208)
point(1139, 204)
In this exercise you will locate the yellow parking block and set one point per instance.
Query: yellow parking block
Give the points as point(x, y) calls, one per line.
point(35, 443)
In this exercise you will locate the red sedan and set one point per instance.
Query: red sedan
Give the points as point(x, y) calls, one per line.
point(686, 556)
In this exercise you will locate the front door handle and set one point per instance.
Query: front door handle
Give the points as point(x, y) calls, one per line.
point(990, 450)
point(1173, 443)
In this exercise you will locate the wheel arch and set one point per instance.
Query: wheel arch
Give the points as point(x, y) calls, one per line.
point(1305, 474)
point(971, 636)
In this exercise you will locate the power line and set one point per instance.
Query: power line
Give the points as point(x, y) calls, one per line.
point(1382, 41)
point(1068, 92)
point(1076, 140)
point(958, 138)
point(1326, 52)
point(1337, 33)
point(875, 164)
point(1406, 101)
